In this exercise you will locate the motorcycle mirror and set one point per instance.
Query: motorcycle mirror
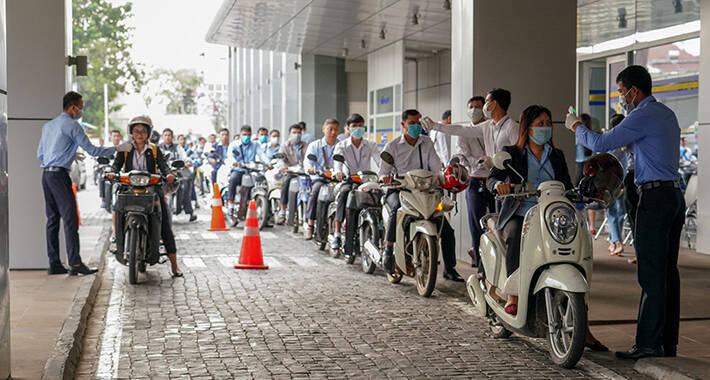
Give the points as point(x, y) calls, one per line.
point(178, 164)
point(501, 160)
point(312, 157)
point(339, 158)
point(386, 157)
point(102, 160)
point(279, 156)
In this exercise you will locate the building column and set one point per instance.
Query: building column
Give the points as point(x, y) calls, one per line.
point(323, 90)
point(703, 214)
point(487, 52)
point(4, 217)
point(36, 83)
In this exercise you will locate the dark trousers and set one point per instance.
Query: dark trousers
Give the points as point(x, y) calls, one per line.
point(579, 172)
point(342, 200)
point(480, 201)
point(448, 237)
point(186, 187)
point(631, 199)
point(511, 236)
point(659, 221)
point(285, 185)
point(59, 204)
point(311, 207)
point(166, 230)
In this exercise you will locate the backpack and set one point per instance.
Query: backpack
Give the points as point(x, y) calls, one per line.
point(154, 148)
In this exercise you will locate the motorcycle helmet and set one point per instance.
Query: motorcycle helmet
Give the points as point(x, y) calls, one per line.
point(603, 179)
point(142, 119)
point(454, 178)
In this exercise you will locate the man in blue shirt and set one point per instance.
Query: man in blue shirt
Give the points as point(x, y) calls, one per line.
point(267, 151)
point(61, 137)
point(243, 153)
point(219, 153)
point(323, 150)
point(653, 132)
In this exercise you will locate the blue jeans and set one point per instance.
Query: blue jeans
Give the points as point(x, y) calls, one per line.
point(615, 219)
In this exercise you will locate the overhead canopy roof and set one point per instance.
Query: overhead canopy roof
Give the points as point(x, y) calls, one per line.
point(328, 27)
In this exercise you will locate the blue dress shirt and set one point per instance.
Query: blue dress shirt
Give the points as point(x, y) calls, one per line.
point(538, 172)
point(266, 153)
point(245, 153)
point(61, 137)
point(323, 152)
point(654, 134)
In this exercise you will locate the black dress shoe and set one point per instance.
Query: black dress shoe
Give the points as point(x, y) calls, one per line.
point(637, 353)
point(670, 351)
point(388, 261)
point(82, 269)
point(193, 217)
point(451, 274)
point(57, 269)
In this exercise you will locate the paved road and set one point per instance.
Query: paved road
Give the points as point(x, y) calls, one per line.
point(308, 316)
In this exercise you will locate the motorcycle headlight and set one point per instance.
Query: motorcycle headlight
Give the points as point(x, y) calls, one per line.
point(421, 183)
point(561, 222)
point(139, 180)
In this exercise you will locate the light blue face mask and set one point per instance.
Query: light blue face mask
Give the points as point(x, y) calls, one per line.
point(263, 139)
point(246, 139)
point(414, 130)
point(541, 135)
point(357, 132)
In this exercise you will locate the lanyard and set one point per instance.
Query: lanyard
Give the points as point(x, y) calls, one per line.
point(356, 157)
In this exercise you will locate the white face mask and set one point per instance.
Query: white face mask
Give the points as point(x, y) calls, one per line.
point(486, 112)
point(628, 107)
point(474, 114)
point(274, 140)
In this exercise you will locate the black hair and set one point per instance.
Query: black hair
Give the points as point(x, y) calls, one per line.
point(501, 96)
point(201, 138)
point(446, 114)
point(294, 126)
point(638, 76)
point(181, 135)
point(274, 130)
point(116, 131)
point(331, 120)
point(223, 130)
point(525, 123)
point(615, 120)
point(477, 98)
point(355, 118)
point(168, 130)
point(245, 128)
point(302, 124)
point(262, 129)
point(71, 98)
point(408, 113)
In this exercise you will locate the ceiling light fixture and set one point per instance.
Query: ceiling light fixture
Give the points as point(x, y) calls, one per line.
point(415, 19)
point(447, 5)
point(622, 18)
point(363, 44)
point(678, 6)
point(383, 35)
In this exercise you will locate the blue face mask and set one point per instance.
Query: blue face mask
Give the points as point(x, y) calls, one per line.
point(541, 135)
point(357, 132)
point(414, 130)
point(263, 139)
point(246, 139)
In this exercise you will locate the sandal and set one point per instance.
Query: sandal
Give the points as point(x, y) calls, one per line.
point(175, 274)
point(631, 260)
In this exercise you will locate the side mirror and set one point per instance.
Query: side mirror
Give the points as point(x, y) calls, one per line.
point(312, 157)
point(339, 158)
point(102, 160)
point(279, 156)
point(501, 160)
point(386, 157)
point(178, 164)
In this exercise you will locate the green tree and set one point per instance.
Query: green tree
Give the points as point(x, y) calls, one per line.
point(100, 32)
point(179, 90)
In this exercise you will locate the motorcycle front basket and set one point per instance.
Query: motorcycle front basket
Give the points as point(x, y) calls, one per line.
point(366, 199)
point(135, 202)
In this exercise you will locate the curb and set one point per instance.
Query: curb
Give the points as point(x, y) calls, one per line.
point(61, 363)
point(662, 369)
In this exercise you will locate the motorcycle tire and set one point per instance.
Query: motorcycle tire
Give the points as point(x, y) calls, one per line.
point(293, 211)
point(368, 232)
point(426, 272)
point(132, 244)
point(334, 253)
point(321, 225)
point(566, 352)
point(262, 210)
point(351, 240)
point(394, 278)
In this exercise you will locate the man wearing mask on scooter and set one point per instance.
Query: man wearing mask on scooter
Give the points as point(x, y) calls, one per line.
point(413, 151)
point(219, 153)
point(358, 153)
point(267, 151)
point(263, 135)
point(294, 150)
point(243, 153)
point(177, 152)
point(323, 149)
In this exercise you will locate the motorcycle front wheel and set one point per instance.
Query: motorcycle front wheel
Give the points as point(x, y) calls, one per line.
point(368, 232)
point(334, 253)
point(352, 240)
point(132, 244)
point(569, 313)
point(262, 210)
point(293, 211)
point(426, 272)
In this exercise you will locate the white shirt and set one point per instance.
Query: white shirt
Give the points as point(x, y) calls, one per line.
point(407, 157)
point(139, 162)
point(470, 150)
point(495, 135)
point(442, 144)
point(356, 158)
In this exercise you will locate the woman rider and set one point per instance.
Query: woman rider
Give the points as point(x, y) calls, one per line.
point(140, 157)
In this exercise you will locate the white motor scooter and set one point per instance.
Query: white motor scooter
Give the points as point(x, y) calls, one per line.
point(554, 274)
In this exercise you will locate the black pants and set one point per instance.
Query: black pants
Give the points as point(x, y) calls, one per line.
point(511, 236)
point(311, 207)
point(185, 202)
point(480, 201)
point(631, 199)
point(342, 200)
point(59, 204)
point(285, 185)
point(166, 230)
point(659, 221)
point(448, 237)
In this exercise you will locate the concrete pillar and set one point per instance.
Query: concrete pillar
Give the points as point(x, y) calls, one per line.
point(487, 52)
point(4, 217)
point(291, 90)
point(277, 99)
point(703, 215)
point(324, 91)
point(36, 84)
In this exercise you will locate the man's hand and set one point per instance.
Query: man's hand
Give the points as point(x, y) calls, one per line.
point(284, 169)
point(311, 171)
point(427, 123)
point(387, 180)
point(110, 176)
point(124, 147)
point(212, 161)
point(572, 121)
point(170, 178)
point(504, 188)
point(188, 163)
point(236, 163)
point(340, 176)
point(79, 156)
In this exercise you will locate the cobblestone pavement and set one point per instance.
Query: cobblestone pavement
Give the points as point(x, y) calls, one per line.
point(308, 316)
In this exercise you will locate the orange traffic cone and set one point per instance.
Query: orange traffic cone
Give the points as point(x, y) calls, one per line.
point(250, 256)
point(217, 223)
point(73, 187)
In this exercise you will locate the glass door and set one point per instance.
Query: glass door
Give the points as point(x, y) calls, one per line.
point(614, 65)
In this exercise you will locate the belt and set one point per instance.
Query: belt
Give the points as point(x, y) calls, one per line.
point(659, 184)
point(56, 169)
